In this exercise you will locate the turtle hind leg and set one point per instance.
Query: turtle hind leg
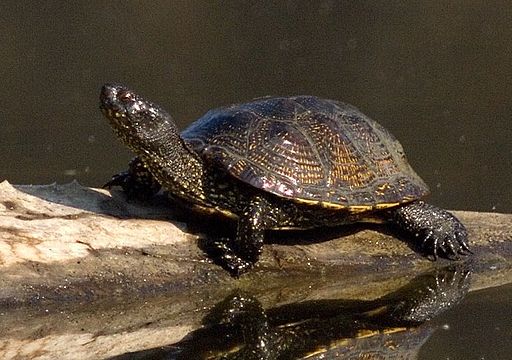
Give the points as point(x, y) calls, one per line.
point(239, 254)
point(136, 182)
point(434, 231)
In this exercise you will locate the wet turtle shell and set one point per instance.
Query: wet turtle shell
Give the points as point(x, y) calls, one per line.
point(308, 149)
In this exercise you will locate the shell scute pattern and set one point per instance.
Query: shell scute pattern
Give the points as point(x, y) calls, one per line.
point(309, 149)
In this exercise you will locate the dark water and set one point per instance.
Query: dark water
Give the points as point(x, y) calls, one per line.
point(437, 74)
point(480, 327)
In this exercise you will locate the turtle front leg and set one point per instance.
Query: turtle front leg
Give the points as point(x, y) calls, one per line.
point(241, 253)
point(137, 182)
point(433, 230)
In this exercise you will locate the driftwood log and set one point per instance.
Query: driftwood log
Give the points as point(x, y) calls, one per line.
point(86, 274)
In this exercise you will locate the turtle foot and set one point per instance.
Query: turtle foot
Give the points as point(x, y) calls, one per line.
point(222, 254)
point(137, 182)
point(436, 232)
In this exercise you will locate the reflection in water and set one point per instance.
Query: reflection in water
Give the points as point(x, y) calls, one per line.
point(388, 327)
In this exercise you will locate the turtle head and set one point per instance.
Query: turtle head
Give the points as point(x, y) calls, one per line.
point(150, 132)
point(143, 126)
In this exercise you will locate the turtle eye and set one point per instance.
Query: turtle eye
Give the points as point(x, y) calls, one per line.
point(125, 96)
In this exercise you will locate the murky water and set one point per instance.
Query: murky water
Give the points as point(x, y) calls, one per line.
point(436, 74)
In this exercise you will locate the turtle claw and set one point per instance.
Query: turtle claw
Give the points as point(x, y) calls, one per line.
point(136, 182)
point(436, 232)
point(222, 254)
point(117, 180)
point(445, 242)
point(465, 249)
point(448, 247)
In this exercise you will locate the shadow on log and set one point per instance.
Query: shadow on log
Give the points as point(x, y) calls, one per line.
point(81, 267)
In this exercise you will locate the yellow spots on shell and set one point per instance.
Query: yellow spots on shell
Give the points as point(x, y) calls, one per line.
point(383, 187)
point(360, 208)
point(352, 175)
point(355, 209)
point(381, 190)
point(312, 174)
point(386, 205)
point(317, 203)
point(238, 167)
point(346, 167)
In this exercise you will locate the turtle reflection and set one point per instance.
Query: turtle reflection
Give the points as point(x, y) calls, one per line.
point(388, 327)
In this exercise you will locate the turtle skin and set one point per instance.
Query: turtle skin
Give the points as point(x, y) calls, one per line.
point(277, 163)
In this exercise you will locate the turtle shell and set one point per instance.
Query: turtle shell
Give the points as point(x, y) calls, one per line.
point(308, 149)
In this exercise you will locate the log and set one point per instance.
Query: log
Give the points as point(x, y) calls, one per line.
point(72, 259)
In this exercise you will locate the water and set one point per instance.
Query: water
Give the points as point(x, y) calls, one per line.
point(436, 74)
point(480, 327)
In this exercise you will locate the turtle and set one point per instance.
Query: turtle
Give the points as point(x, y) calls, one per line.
point(297, 162)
